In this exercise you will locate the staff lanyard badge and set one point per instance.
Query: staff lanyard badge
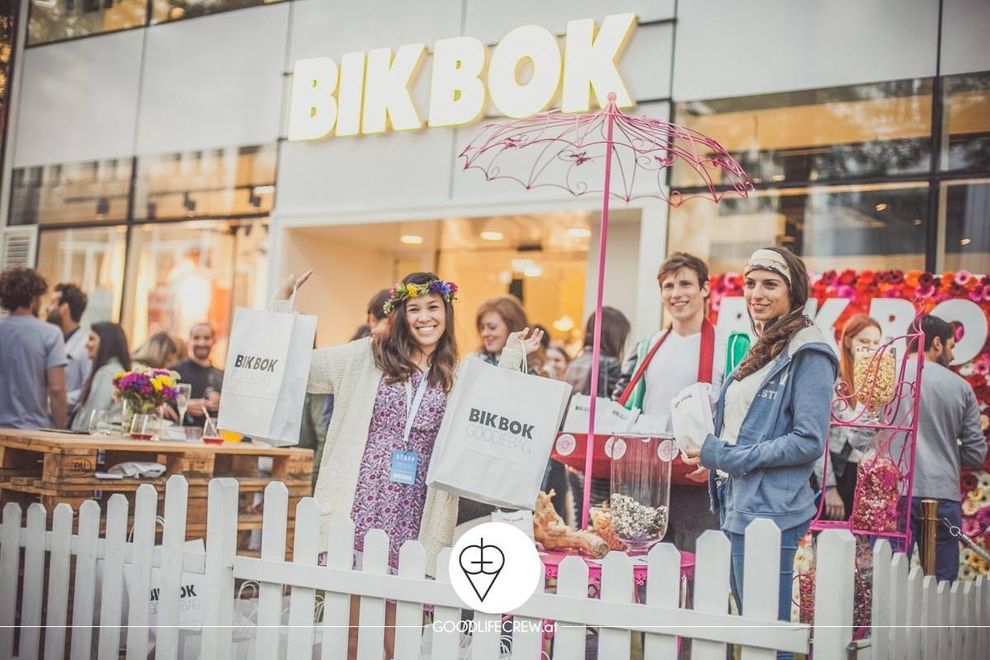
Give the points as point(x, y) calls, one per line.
point(405, 463)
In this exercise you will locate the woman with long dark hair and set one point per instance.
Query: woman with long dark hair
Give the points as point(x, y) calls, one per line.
point(107, 349)
point(615, 332)
point(390, 395)
point(772, 417)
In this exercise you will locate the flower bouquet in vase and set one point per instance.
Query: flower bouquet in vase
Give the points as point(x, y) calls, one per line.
point(144, 392)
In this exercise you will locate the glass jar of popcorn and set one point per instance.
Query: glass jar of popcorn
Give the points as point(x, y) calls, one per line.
point(874, 376)
point(639, 503)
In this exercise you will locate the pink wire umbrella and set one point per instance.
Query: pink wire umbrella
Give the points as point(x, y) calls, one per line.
point(555, 150)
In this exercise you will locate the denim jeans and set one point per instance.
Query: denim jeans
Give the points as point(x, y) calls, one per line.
point(788, 548)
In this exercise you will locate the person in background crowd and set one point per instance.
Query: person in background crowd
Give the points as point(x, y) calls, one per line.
point(949, 438)
point(537, 362)
point(682, 354)
point(66, 310)
point(198, 371)
point(615, 333)
point(32, 356)
point(495, 320)
point(861, 332)
point(159, 351)
point(557, 360)
point(391, 392)
point(107, 348)
point(374, 325)
point(771, 418)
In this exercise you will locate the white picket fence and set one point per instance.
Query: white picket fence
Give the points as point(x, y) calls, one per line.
point(311, 631)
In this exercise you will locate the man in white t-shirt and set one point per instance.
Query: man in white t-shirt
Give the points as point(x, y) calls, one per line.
point(686, 352)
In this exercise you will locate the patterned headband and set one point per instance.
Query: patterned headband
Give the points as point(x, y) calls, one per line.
point(764, 259)
point(401, 292)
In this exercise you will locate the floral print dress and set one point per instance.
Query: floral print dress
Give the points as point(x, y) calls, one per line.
point(380, 503)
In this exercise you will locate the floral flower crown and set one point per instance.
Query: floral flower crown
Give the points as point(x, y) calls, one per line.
point(400, 292)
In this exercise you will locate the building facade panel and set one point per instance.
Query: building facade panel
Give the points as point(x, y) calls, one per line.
point(489, 21)
point(330, 28)
point(214, 81)
point(78, 100)
point(726, 48)
point(965, 31)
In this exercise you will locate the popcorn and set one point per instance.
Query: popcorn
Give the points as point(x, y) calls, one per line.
point(874, 375)
point(876, 496)
point(633, 521)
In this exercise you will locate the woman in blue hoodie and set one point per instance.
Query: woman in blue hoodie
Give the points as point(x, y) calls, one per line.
point(772, 417)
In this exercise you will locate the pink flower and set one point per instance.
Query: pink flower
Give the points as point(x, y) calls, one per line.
point(963, 277)
point(846, 291)
point(926, 291)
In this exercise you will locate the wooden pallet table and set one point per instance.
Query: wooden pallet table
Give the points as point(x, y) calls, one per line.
point(55, 468)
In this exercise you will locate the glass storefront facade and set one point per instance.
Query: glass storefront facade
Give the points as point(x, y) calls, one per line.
point(58, 20)
point(159, 242)
point(883, 176)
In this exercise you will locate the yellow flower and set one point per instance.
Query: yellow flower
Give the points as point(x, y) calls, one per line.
point(411, 290)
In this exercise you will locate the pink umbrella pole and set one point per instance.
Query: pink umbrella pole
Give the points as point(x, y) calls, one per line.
point(589, 453)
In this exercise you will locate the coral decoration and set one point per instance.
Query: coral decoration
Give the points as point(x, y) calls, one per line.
point(550, 531)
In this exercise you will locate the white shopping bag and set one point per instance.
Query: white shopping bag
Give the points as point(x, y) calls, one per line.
point(691, 416)
point(610, 417)
point(264, 383)
point(495, 438)
point(191, 594)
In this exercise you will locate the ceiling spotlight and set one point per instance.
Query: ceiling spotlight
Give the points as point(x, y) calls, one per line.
point(492, 236)
point(880, 207)
point(563, 324)
point(579, 232)
point(966, 241)
point(916, 222)
point(411, 239)
point(777, 177)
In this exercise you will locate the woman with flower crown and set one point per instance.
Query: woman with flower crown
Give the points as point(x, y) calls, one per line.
point(390, 394)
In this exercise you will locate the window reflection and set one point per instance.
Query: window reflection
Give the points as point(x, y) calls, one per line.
point(966, 131)
point(94, 191)
point(230, 181)
point(181, 274)
point(966, 217)
point(855, 226)
point(55, 20)
point(90, 258)
point(832, 134)
point(173, 10)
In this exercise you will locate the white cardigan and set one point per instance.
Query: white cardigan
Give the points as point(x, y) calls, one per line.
point(350, 374)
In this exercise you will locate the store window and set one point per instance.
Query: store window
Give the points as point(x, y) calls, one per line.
point(234, 181)
point(966, 127)
point(542, 259)
point(93, 191)
point(91, 258)
point(835, 134)
point(852, 226)
point(181, 274)
point(174, 10)
point(56, 20)
point(965, 219)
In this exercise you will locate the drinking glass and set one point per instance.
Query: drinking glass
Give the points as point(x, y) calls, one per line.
point(99, 423)
point(211, 435)
point(145, 426)
point(182, 400)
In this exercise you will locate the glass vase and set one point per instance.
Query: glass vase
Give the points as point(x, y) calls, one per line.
point(639, 503)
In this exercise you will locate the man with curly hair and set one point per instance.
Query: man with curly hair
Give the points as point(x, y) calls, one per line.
point(32, 356)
